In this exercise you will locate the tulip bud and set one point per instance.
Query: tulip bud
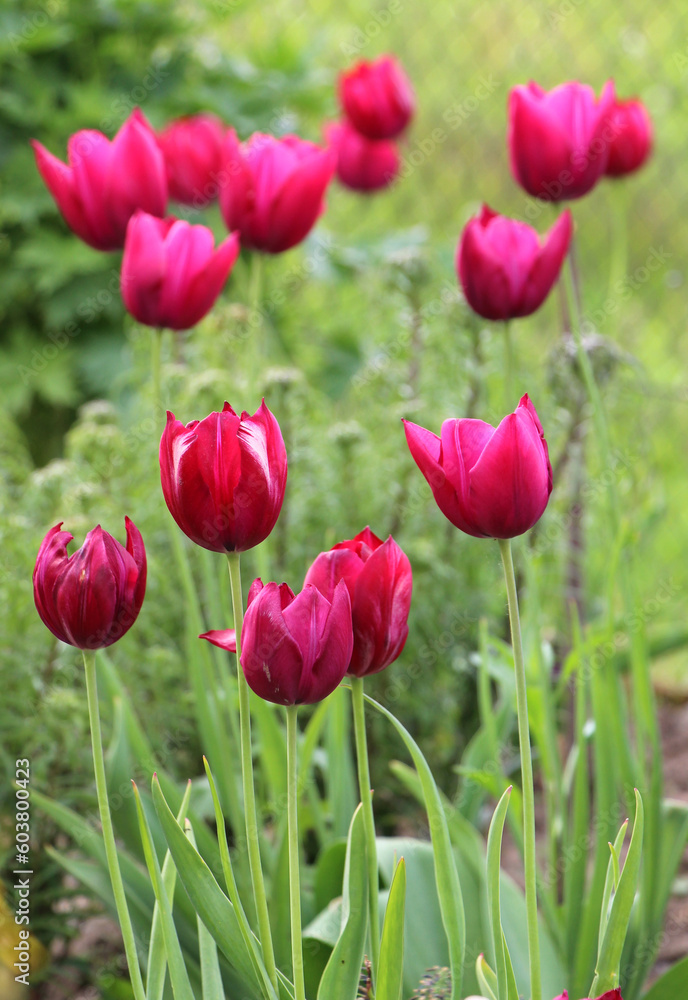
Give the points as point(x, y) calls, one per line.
point(378, 577)
point(91, 598)
point(223, 478)
point(295, 649)
point(171, 272)
point(377, 98)
point(505, 269)
point(559, 140)
point(631, 142)
point(489, 482)
point(105, 182)
point(274, 190)
point(192, 149)
point(362, 164)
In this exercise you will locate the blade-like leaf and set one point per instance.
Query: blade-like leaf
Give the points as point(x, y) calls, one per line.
point(211, 977)
point(612, 880)
point(181, 987)
point(391, 969)
point(494, 853)
point(609, 957)
point(342, 973)
point(448, 886)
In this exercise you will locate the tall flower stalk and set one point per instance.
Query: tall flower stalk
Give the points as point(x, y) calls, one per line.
point(252, 838)
point(530, 862)
point(368, 821)
point(293, 835)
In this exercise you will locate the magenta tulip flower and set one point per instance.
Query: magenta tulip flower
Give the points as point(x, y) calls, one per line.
point(105, 181)
point(378, 577)
point(505, 269)
point(295, 649)
point(559, 139)
point(273, 191)
point(631, 142)
point(91, 598)
point(490, 482)
point(614, 994)
point(224, 478)
point(192, 149)
point(171, 272)
point(377, 98)
point(362, 164)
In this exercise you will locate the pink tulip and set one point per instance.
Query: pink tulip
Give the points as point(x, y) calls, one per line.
point(379, 580)
point(171, 272)
point(295, 649)
point(91, 598)
point(273, 189)
point(192, 148)
point(362, 164)
point(377, 98)
point(224, 478)
point(632, 138)
point(489, 482)
point(505, 269)
point(106, 181)
point(559, 139)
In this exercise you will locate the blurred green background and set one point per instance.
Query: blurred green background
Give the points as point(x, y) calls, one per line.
point(372, 328)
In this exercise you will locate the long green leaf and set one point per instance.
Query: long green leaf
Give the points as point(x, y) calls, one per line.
point(211, 977)
point(181, 987)
point(612, 881)
point(448, 885)
point(157, 957)
point(494, 853)
point(391, 969)
point(609, 957)
point(207, 898)
point(342, 973)
point(486, 978)
point(672, 985)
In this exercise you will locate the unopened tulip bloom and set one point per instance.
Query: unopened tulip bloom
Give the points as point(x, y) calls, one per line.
point(631, 142)
point(505, 269)
point(377, 97)
point(559, 139)
point(378, 577)
point(295, 649)
point(91, 598)
point(273, 189)
point(192, 148)
point(171, 272)
point(490, 482)
point(223, 478)
point(105, 182)
point(362, 164)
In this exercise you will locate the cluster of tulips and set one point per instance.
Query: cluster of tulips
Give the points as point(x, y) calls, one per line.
point(224, 477)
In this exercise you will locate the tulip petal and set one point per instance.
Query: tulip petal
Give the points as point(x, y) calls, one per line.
point(380, 609)
point(547, 265)
point(224, 638)
point(330, 567)
point(334, 649)
point(270, 657)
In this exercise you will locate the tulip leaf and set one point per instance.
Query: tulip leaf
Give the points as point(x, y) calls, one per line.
point(486, 978)
point(609, 955)
point(612, 881)
point(211, 977)
point(179, 978)
point(672, 985)
point(342, 974)
point(207, 898)
point(391, 968)
point(157, 959)
point(506, 989)
point(446, 875)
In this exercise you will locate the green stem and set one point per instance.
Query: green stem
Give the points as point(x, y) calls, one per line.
point(368, 821)
point(293, 834)
point(108, 832)
point(257, 881)
point(530, 863)
point(156, 354)
point(508, 366)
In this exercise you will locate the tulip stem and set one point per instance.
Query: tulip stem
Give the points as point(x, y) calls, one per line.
point(508, 365)
point(257, 881)
point(368, 821)
point(293, 834)
point(108, 831)
point(530, 863)
point(156, 352)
